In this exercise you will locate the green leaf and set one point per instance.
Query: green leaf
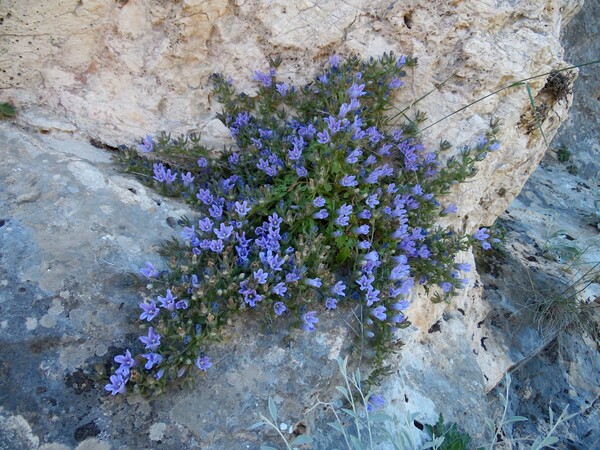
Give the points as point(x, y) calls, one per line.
point(336, 426)
point(343, 390)
point(7, 109)
point(343, 255)
point(254, 426)
point(349, 412)
point(356, 443)
point(272, 409)
point(301, 439)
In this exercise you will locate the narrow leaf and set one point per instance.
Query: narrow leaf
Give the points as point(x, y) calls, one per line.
point(272, 409)
point(254, 426)
point(301, 439)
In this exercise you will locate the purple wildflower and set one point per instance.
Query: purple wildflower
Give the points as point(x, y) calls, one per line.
point(260, 276)
point(203, 363)
point(187, 179)
point(279, 289)
point(117, 384)
point(150, 311)
point(309, 320)
point(352, 158)
point(379, 312)
point(224, 231)
point(356, 90)
point(375, 402)
point(242, 208)
point(126, 361)
point(314, 282)
point(319, 202)
point(167, 302)
point(279, 308)
point(321, 214)
point(349, 181)
point(152, 341)
point(152, 359)
point(338, 289)
point(282, 88)
point(330, 303)
point(202, 162)
point(149, 271)
point(363, 229)
point(147, 144)
point(323, 137)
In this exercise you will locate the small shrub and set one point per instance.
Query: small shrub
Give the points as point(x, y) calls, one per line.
point(7, 110)
point(563, 154)
point(323, 202)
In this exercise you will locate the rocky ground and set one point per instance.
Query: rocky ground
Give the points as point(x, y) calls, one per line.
point(72, 228)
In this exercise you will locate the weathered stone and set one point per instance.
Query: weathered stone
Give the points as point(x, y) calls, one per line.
point(119, 70)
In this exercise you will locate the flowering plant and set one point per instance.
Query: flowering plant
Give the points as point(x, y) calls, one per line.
point(322, 202)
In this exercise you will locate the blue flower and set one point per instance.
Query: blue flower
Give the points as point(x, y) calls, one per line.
point(363, 245)
point(375, 402)
point(372, 200)
point(352, 158)
point(334, 61)
point(167, 302)
point(463, 267)
point(203, 363)
point(356, 90)
point(265, 78)
point(365, 214)
point(314, 282)
point(233, 158)
point(379, 312)
point(149, 271)
point(279, 289)
point(216, 245)
point(279, 308)
point(150, 311)
point(260, 276)
point(117, 384)
point(323, 137)
point(126, 361)
point(224, 231)
point(401, 305)
point(446, 287)
point(152, 341)
point(282, 88)
point(450, 209)
point(395, 83)
point(330, 303)
point(301, 171)
point(202, 162)
point(187, 179)
point(182, 304)
point(188, 233)
point(319, 202)
point(349, 181)
point(147, 145)
point(205, 224)
point(205, 196)
point(363, 229)
point(242, 208)
point(216, 211)
point(343, 215)
point(309, 320)
point(338, 289)
point(152, 359)
point(321, 214)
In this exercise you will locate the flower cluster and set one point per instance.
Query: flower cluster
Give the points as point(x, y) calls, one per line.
point(323, 202)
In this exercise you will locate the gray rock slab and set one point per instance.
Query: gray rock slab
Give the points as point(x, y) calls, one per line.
point(71, 230)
